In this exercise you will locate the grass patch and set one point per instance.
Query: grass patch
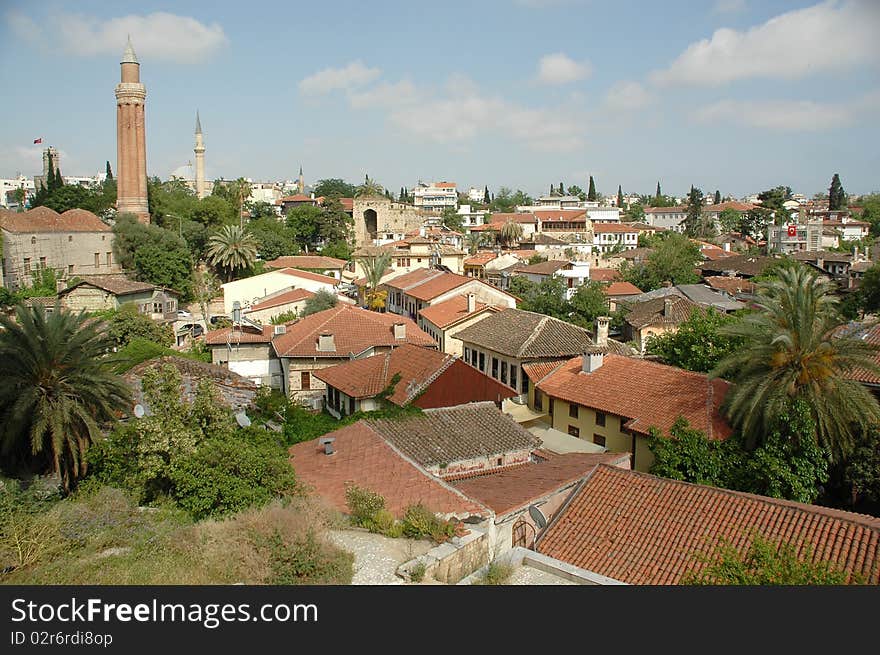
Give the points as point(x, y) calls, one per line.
point(496, 574)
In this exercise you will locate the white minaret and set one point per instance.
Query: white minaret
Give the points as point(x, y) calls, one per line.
point(200, 160)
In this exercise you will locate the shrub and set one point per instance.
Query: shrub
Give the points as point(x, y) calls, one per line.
point(308, 561)
point(417, 572)
point(363, 505)
point(496, 574)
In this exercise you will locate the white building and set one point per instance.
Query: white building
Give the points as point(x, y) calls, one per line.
point(251, 290)
point(470, 217)
point(8, 187)
point(436, 196)
point(608, 236)
point(669, 218)
point(794, 237)
point(476, 195)
point(604, 214)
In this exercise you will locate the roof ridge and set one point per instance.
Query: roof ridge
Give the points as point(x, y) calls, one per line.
point(534, 335)
point(445, 364)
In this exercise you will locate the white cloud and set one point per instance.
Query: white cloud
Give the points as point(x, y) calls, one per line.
point(788, 115)
point(159, 35)
point(627, 96)
point(558, 68)
point(826, 37)
point(355, 75)
point(729, 6)
point(385, 95)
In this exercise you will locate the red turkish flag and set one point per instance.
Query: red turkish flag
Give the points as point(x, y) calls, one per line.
point(792, 230)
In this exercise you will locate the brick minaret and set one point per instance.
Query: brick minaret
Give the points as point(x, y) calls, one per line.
point(201, 191)
point(131, 149)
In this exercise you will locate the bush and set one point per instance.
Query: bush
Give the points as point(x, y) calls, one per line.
point(496, 574)
point(419, 522)
point(363, 505)
point(308, 561)
point(417, 572)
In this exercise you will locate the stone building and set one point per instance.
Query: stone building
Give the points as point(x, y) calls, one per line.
point(131, 149)
point(98, 293)
point(72, 244)
point(378, 218)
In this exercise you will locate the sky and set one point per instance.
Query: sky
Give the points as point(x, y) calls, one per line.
point(736, 95)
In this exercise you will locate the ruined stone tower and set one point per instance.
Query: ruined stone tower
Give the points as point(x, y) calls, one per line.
point(131, 149)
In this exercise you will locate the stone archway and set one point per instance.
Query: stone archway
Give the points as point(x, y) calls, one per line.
point(371, 223)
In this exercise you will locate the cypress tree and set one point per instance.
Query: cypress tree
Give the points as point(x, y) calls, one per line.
point(619, 196)
point(561, 189)
point(486, 198)
point(109, 172)
point(50, 175)
point(717, 197)
point(658, 190)
point(552, 190)
point(591, 194)
point(836, 194)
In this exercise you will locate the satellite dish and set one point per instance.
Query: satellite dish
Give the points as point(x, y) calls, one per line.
point(242, 419)
point(537, 516)
point(139, 410)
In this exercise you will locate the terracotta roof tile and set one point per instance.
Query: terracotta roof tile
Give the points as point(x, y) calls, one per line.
point(116, 284)
point(604, 274)
point(644, 393)
point(613, 228)
point(317, 262)
point(642, 529)
point(740, 264)
point(354, 330)
point(293, 295)
point(452, 434)
point(362, 457)
point(308, 275)
point(621, 289)
point(449, 312)
point(730, 284)
point(480, 259)
point(527, 335)
point(543, 268)
point(568, 215)
point(514, 488)
point(43, 219)
point(236, 335)
point(653, 312)
point(869, 334)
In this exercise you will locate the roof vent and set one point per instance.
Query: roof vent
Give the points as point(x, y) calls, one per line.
point(327, 443)
point(280, 329)
point(400, 331)
point(326, 342)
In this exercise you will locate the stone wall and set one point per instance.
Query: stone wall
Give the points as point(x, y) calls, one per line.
point(391, 217)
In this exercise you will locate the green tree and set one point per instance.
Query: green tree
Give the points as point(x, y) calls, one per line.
point(763, 563)
point(305, 222)
point(322, 300)
point(335, 224)
point(591, 193)
point(337, 249)
point(729, 220)
point(587, 303)
point(109, 172)
point(694, 223)
point(473, 241)
point(205, 287)
point(561, 189)
point(545, 297)
point(754, 223)
point(862, 468)
point(232, 249)
point(836, 194)
point(274, 238)
point(673, 260)
point(870, 205)
point(686, 454)
point(635, 213)
point(697, 344)
point(334, 187)
point(486, 199)
point(155, 254)
point(773, 200)
point(717, 197)
point(452, 219)
point(56, 390)
point(374, 268)
point(369, 188)
point(658, 195)
point(128, 323)
point(790, 354)
point(214, 211)
point(575, 190)
point(620, 196)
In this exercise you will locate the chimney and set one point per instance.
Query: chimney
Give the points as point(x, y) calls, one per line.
point(400, 331)
point(855, 253)
point(236, 313)
point(326, 343)
point(592, 360)
point(327, 442)
point(667, 306)
point(471, 303)
point(602, 323)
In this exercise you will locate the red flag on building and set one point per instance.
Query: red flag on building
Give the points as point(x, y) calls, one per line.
point(792, 230)
point(40, 140)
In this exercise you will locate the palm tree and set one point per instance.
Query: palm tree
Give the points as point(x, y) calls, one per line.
point(474, 241)
point(794, 350)
point(511, 232)
point(369, 188)
point(231, 248)
point(56, 388)
point(374, 268)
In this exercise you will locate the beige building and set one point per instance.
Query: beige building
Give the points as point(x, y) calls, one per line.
point(251, 290)
point(411, 254)
point(74, 243)
point(247, 350)
point(275, 304)
point(444, 320)
point(615, 401)
point(651, 318)
point(98, 293)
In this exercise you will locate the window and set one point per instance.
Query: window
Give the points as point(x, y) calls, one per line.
point(350, 406)
point(108, 258)
point(157, 308)
point(525, 383)
point(467, 355)
point(513, 375)
point(573, 410)
point(599, 440)
point(97, 259)
point(305, 380)
point(483, 362)
point(539, 400)
point(33, 241)
point(600, 419)
point(573, 431)
point(495, 367)
point(504, 372)
point(27, 264)
point(70, 269)
point(42, 262)
point(69, 238)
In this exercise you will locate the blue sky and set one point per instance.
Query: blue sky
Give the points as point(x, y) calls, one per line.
point(738, 95)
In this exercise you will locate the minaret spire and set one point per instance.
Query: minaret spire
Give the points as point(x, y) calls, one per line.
point(198, 123)
point(199, 150)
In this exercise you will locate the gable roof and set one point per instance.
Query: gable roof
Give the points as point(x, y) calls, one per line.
point(643, 529)
point(646, 393)
point(604, 274)
point(426, 284)
point(364, 458)
point(43, 219)
point(543, 268)
point(746, 265)
point(870, 334)
point(731, 284)
point(449, 312)
point(278, 299)
point(354, 330)
point(308, 275)
point(614, 228)
point(653, 312)
point(522, 334)
point(480, 259)
point(570, 215)
point(515, 488)
point(621, 289)
point(451, 434)
point(236, 335)
point(318, 262)
point(117, 284)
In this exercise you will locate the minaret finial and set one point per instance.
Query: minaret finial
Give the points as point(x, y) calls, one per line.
point(128, 56)
point(198, 123)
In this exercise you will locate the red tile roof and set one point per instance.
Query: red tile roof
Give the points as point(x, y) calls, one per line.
point(318, 262)
point(613, 228)
point(501, 218)
point(730, 204)
point(621, 289)
point(364, 458)
point(239, 335)
point(646, 393)
point(480, 259)
point(642, 529)
point(537, 371)
point(117, 284)
point(604, 274)
point(294, 295)
point(730, 284)
point(418, 368)
point(43, 219)
point(568, 215)
point(426, 284)
point(515, 488)
point(449, 312)
point(543, 268)
point(871, 335)
point(354, 330)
